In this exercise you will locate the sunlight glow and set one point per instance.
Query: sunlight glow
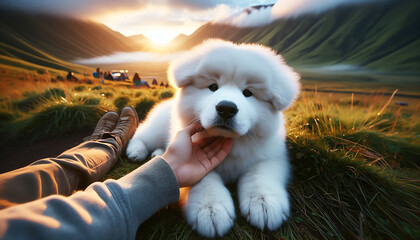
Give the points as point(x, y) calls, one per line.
point(160, 37)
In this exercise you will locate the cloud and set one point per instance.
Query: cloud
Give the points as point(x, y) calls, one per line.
point(194, 4)
point(131, 17)
point(86, 8)
point(254, 17)
point(162, 18)
point(74, 8)
point(250, 18)
point(284, 8)
point(129, 57)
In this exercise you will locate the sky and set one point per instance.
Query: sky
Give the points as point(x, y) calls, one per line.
point(152, 18)
point(162, 20)
point(284, 9)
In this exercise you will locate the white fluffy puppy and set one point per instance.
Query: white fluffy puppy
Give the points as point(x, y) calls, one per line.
point(236, 91)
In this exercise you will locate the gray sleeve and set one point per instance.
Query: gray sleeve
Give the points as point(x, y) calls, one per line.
point(110, 210)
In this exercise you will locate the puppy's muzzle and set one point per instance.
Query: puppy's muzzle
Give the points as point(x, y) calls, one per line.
point(226, 109)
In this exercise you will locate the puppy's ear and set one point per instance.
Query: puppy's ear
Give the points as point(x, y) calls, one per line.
point(286, 88)
point(180, 74)
point(183, 70)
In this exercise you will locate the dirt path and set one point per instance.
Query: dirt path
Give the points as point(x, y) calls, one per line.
point(18, 154)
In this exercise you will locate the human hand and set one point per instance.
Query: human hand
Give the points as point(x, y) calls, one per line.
point(191, 161)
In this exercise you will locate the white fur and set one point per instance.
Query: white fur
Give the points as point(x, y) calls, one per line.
point(258, 159)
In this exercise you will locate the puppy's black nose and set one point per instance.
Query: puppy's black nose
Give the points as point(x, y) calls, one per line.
point(226, 109)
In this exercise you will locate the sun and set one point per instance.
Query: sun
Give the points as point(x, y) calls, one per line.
point(160, 37)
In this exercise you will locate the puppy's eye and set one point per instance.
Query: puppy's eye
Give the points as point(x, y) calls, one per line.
point(213, 87)
point(247, 93)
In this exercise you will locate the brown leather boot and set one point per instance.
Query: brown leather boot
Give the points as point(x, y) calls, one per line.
point(125, 128)
point(107, 123)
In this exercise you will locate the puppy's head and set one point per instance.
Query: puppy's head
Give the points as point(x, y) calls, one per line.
point(232, 89)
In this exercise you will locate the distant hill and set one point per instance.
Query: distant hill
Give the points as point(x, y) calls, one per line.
point(381, 36)
point(52, 41)
point(178, 41)
point(141, 39)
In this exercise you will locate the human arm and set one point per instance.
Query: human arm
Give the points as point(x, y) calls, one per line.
point(114, 209)
point(110, 210)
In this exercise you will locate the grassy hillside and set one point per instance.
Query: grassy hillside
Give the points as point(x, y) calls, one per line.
point(380, 36)
point(39, 42)
point(355, 161)
point(23, 55)
point(62, 37)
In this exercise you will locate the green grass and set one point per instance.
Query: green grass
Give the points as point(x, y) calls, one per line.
point(143, 107)
point(355, 161)
point(54, 119)
point(32, 99)
point(53, 111)
point(26, 56)
point(121, 102)
point(347, 179)
point(354, 176)
point(166, 94)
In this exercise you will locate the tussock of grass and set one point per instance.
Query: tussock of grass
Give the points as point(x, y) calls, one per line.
point(121, 102)
point(155, 93)
point(398, 151)
point(56, 119)
point(88, 100)
point(336, 194)
point(33, 99)
point(144, 106)
point(107, 94)
point(138, 94)
point(166, 94)
point(80, 88)
point(99, 87)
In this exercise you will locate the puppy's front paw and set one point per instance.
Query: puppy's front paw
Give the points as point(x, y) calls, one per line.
point(158, 152)
point(211, 218)
point(137, 151)
point(265, 209)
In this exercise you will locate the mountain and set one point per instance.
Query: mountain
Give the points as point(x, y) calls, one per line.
point(177, 42)
point(52, 41)
point(382, 35)
point(141, 39)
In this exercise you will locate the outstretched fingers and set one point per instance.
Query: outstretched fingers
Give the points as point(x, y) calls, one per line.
point(205, 142)
point(214, 147)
